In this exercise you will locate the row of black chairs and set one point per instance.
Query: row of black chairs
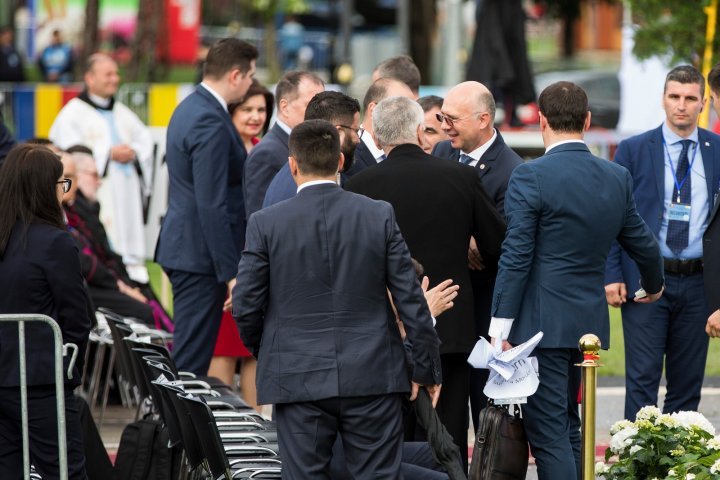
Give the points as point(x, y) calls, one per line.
point(219, 434)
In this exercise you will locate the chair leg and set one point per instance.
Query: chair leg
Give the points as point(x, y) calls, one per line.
point(94, 388)
point(106, 390)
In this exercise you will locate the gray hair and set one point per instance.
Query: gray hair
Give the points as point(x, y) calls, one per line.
point(395, 121)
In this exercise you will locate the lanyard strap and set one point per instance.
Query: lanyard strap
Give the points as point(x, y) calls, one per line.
point(679, 184)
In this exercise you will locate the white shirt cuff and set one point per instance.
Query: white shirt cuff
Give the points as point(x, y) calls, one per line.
point(500, 327)
point(434, 321)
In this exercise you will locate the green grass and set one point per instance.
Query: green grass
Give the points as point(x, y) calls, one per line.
point(156, 282)
point(613, 360)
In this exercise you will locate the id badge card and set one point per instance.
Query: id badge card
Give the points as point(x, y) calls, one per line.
point(679, 212)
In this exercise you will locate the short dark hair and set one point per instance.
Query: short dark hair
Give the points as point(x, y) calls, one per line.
point(428, 102)
point(686, 74)
point(28, 190)
point(400, 68)
point(565, 106)
point(38, 141)
point(334, 107)
point(378, 91)
point(714, 78)
point(315, 145)
point(287, 87)
point(256, 88)
point(227, 54)
point(80, 149)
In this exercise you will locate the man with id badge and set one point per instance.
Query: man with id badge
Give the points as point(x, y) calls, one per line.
point(675, 170)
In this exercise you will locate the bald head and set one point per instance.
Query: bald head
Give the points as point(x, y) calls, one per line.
point(101, 75)
point(469, 115)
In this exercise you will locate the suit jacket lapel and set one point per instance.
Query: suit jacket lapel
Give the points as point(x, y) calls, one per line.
point(488, 159)
point(203, 92)
point(657, 157)
point(709, 153)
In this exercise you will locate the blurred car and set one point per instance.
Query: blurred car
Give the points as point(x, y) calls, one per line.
point(602, 88)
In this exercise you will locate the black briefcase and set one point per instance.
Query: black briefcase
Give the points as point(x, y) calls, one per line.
point(501, 448)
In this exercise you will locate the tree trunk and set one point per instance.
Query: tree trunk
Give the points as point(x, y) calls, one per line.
point(271, 51)
point(148, 57)
point(91, 37)
point(568, 36)
point(423, 19)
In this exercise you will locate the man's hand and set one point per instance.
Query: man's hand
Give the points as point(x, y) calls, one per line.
point(474, 258)
point(616, 294)
point(122, 153)
point(228, 303)
point(651, 297)
point(505, 344)
point(433, 391)
point(713, 324)
point(440, 297)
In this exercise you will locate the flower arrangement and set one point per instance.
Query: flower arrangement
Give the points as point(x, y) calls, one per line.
point(658, 446)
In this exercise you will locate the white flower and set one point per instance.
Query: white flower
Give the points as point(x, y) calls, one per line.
point(671, 472)
point(716, 467)
point(601, 468)
point(620, 425)
point(690, 476)
point(648, 413)
point(714, 443)
point(694, 419)
point(667, 421)
point(622, 439)
point(635, 448)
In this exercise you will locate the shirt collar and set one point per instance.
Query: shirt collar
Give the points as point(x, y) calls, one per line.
point(283, 125)
point(370, 143)
point(672, 137)
point(562, 142)
point(480, 151)
point(314, 182)
point(103, 102)
point(215, 94)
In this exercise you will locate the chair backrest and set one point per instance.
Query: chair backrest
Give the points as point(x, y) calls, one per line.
point(159, 366)
point(159, 350)
point(189, 439)
point(119, 330)
point(207, 432)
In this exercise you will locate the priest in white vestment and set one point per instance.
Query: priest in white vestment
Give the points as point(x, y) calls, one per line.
point(123, 150)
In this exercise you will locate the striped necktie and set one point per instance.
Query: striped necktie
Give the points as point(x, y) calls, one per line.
point(466, 159)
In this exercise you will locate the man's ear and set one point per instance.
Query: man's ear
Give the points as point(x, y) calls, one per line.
point(421, 136)
point(588, 120)
point(341, 162)
point(292, 163)
point(543, 121)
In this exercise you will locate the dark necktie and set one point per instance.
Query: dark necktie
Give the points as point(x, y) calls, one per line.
point(678, 231)
point(466, 159)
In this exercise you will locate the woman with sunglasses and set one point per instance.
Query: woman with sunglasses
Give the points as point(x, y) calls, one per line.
point(39, 273)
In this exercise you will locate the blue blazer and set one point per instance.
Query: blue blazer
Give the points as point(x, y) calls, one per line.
point(564, 210)
point(494, 167)
point(281, 188)
point(262, 164)
point(204, 229)
point(644, 158)
point(40, 273)
point(711, 258)
point(316, 313)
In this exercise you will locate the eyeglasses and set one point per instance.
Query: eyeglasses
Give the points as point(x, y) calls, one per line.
point(358, 132)
point(66, 184)
point(451, 121)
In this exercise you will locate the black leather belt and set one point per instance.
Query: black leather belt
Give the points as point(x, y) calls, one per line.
point(683, 267)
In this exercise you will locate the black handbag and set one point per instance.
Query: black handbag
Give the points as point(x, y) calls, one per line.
point(501, 448)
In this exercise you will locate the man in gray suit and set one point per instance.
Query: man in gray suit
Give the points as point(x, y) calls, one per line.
point(315, 312)
point(563, 212)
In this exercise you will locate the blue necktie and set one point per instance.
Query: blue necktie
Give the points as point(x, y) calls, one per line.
point(679, 231)
point(466, 159)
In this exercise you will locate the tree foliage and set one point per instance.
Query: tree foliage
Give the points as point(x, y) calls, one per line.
point(670, 28)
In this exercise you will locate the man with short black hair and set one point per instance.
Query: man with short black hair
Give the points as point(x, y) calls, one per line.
point(564, 210)
point(340, 110)
point(431, 105)
point(400, 68)
point(292, 94)
point(675, 170)
point(203, 232)
point(711, 237)
point(330, 356)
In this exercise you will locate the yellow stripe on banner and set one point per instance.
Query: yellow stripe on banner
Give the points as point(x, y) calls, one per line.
point(48, 102)
point(162, 100)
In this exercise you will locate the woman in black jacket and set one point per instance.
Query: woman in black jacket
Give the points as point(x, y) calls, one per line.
point(39, 273)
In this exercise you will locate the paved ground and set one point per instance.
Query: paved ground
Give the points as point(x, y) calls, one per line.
point(610, 399)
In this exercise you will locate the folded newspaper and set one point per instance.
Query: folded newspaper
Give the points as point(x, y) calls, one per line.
point(513, 374)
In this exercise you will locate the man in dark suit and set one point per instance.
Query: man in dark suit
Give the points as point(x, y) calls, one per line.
point(468, 117)
point(367, 153)
point(334, 107)
point(400, 68)
point(672, 331)
point(204, 229)
point(316, 313)
point(439, 205)
point(711, 237)
point(563, 211)
point(292, 95)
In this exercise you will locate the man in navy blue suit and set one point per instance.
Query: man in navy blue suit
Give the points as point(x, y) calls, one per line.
point(711, 238)
point(564, 210)
point(314, 309)
point(676, 171)
point(340, 110)
point(203, 232)
point(467, 116)
point(292, 94)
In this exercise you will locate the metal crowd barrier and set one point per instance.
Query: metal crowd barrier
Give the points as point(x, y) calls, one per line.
point(59, 348)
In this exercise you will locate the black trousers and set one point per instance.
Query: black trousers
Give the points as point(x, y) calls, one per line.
point(370, 428)
point(453, 405)
point(42, 432)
